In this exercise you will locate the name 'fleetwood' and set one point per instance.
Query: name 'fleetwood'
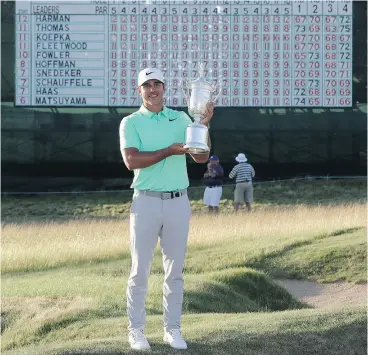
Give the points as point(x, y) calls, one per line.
point(61, 45)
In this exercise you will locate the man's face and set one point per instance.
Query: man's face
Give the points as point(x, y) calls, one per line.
point(152, 92)
point(213, 162)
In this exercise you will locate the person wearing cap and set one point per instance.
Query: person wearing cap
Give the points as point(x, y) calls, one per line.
point(213, 180)
point(152, 145)
point(243, 173)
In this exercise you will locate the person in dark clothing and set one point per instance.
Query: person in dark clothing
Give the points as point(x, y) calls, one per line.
point(213, 181)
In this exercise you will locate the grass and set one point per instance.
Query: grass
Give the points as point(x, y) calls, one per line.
point(226, 240)
point(63, 280)
point(117, 204)
point(283, 333)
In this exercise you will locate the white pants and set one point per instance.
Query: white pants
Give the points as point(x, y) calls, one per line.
point(212, 196)
point(151, 218)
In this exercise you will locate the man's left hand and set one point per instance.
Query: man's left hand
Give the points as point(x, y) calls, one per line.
point(209, 113)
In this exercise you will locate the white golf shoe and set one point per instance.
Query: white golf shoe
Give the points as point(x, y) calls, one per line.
point(174, 338)
point(138, 340)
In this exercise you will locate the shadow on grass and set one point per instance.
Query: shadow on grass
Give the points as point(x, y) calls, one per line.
point(343, 340)
point(227, 291)
point(234, 291)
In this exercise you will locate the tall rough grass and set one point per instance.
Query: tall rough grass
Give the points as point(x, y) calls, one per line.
point(37, 246)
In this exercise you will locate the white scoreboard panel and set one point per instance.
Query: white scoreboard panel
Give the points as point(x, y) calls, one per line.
point(265, 53)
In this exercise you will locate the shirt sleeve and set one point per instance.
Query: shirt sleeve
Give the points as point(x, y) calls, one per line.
point(129, 137)
point(232, 173)
point(253, 172)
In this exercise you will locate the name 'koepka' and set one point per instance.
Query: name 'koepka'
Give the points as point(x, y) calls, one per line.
point(52, 37)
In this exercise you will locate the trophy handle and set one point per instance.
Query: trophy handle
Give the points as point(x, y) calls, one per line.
point(218, 87)
point(183, 83)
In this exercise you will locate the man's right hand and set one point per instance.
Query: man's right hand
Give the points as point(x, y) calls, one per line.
point(177, 149)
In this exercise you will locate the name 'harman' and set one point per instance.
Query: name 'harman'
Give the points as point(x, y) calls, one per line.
point(53, 18)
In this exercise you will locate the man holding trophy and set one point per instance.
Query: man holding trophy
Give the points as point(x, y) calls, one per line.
point(153, 143)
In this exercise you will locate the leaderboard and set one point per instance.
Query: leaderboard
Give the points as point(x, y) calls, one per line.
point(264, 53)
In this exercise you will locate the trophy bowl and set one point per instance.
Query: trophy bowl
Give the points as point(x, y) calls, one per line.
point(199, 93)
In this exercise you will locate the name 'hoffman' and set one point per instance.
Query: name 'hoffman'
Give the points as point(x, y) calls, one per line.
point(50, 86)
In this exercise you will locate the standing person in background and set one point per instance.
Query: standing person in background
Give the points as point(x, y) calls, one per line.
point(152, 145)
point(213, 180)
point(243, 174)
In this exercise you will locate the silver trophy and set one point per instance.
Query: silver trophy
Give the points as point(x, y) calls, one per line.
point(198, 92)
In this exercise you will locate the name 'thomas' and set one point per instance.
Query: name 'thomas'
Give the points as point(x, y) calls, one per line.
point(51, 27)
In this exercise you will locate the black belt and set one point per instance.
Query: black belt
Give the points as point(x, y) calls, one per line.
point(214, 186)
point(243, 181)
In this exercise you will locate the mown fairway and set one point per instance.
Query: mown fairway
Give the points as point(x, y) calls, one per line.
point(65, 263)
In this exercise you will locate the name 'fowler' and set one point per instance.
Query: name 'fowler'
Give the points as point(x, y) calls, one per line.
point(55, 55)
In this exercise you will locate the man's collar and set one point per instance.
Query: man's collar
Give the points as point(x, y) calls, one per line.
point(146, 112)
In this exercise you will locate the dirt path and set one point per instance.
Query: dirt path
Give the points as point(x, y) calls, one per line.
point(339, 294)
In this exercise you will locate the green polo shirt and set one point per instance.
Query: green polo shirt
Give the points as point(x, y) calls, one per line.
point(149, 131)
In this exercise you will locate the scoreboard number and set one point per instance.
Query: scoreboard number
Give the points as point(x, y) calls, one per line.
point(265, 53)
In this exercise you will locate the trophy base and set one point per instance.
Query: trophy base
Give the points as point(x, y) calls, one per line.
point(197, 148)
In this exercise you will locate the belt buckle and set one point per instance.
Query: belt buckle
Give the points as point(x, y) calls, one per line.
point(170, 195)
point(165, 195)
